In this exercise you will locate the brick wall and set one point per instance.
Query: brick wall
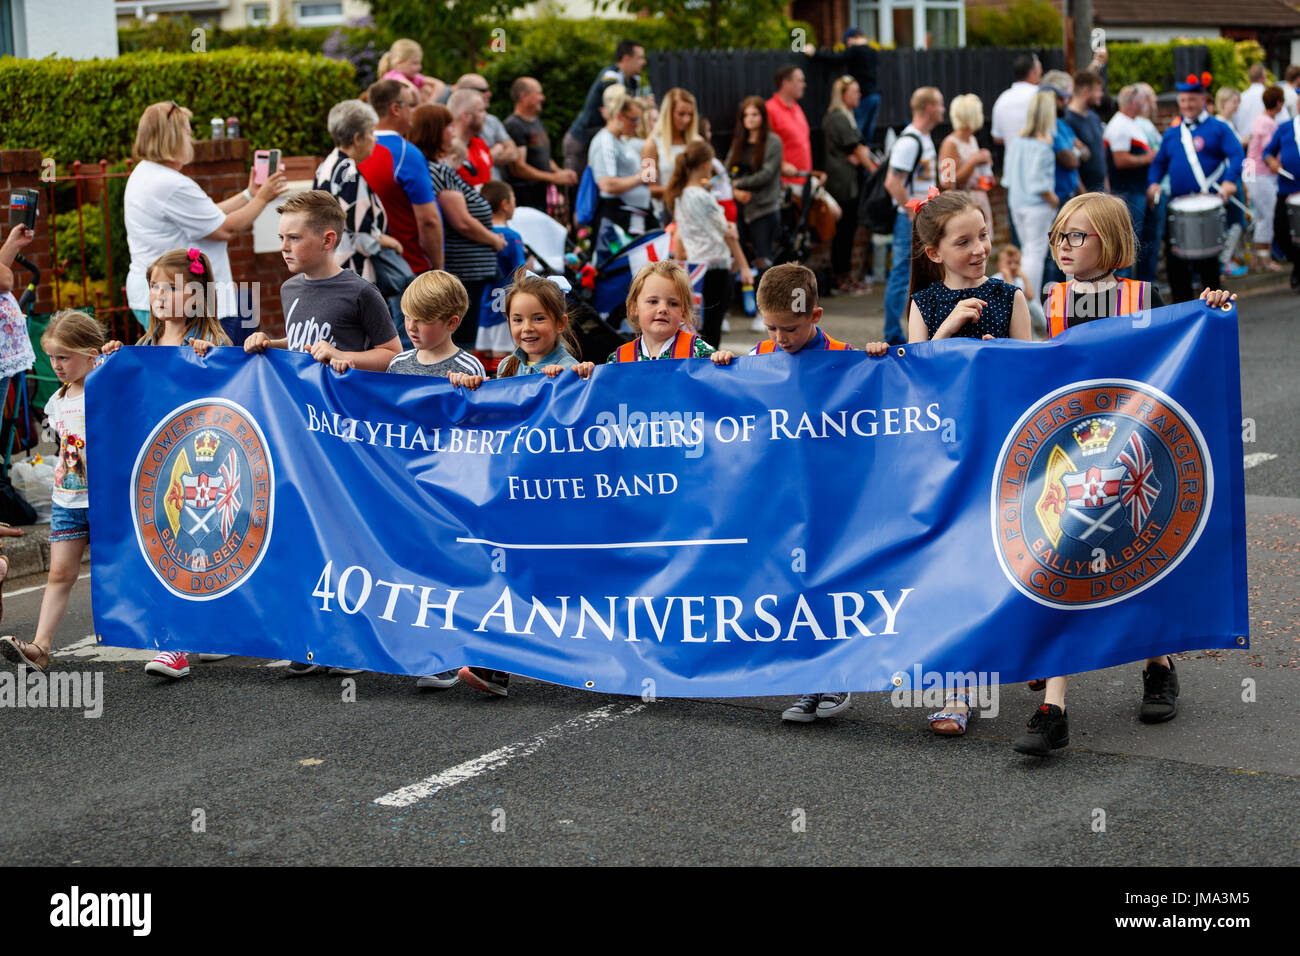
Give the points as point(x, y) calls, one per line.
point(220, 168)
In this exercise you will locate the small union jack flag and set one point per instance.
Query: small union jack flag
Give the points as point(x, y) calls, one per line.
point(228, 501)
point(1139, 489)
point(696, 270)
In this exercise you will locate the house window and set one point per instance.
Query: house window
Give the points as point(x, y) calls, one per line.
point(258, 14)
point(6, 29)
point(867, 16)
point(911, 23)
point(943, 25)
point(318, 14)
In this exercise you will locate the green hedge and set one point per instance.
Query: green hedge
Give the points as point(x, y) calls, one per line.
point(88, 109)
point(1154, 63)
point(1024, 23)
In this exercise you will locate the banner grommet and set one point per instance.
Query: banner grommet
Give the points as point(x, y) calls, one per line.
point(591, 684)
point(901, 351)
point(309, 657)
point(1241, 641)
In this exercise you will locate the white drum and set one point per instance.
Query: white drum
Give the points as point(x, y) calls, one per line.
point(1196, 226)
point(1293, 216)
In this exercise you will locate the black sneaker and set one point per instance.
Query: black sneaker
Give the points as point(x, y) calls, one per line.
point(298, 669)
point(1159, 694)
point(1048, 730)
point(440, 681)
point(832, 704)
point(803, 710)
point(490, 682)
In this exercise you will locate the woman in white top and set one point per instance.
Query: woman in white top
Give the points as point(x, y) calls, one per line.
point(1030, 176)
point(624, 194)
point(961, 151)
point(166, 210)
point(679, 124)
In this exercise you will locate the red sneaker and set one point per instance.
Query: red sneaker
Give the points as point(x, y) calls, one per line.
point(169, 664)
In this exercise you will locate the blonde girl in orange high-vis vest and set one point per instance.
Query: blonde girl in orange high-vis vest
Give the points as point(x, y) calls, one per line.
point(661, 306)
point(1091, 239)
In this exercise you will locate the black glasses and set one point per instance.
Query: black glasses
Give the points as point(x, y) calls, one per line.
point(1075, 239)
point(481, 89)
point(175, 107)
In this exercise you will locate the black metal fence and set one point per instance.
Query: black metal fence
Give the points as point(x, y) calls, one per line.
point(720, 79)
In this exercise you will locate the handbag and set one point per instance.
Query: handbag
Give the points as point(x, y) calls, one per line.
point(392, 272)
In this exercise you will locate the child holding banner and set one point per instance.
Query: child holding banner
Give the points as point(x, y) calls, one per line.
point(787, 306)
point(660, 306)
point(546, 346)
point(182, 311)
point(73, 341)
point(1091, 239)
point(329, 311)
point(951, 297)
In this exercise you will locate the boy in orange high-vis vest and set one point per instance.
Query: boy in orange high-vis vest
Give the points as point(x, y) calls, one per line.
point(787, 306)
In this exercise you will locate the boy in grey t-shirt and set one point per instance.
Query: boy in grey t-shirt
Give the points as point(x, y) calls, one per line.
point(433, 305)
point(329, 311)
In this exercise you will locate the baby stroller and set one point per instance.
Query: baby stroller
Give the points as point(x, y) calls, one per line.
point(796, 235)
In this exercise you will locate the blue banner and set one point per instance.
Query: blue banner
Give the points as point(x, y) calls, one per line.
point(818, 522)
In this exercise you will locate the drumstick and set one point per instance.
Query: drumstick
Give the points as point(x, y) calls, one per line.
point(1286, 174)
point(1235, 202)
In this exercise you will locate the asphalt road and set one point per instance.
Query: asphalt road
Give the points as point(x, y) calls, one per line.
point(238, 764)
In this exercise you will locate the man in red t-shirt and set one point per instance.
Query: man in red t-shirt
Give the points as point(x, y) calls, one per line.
point(787, 119)
point(467, 116)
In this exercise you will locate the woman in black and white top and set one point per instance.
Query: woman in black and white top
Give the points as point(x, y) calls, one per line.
point(352, 127)
point(469, 245)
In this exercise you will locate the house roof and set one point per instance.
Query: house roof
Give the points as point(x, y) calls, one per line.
point(1215, 13)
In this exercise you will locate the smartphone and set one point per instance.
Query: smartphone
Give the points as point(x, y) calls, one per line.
point(262, 165)
point(22, 208)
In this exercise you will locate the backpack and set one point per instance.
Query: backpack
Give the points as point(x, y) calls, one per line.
point(584, 207)
point(878, 210)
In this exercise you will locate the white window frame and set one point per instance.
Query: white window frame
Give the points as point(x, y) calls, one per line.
point(884, 10)
point(320, 19)
point(265, 7)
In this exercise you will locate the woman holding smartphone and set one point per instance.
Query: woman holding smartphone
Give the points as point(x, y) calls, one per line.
point(165, 210)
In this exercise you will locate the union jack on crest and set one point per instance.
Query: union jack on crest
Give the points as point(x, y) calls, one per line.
point(228, 501)
point(1139, 489)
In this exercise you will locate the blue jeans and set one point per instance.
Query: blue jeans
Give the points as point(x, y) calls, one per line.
point(1137, 211)
point(899, 276)
point(865, 114)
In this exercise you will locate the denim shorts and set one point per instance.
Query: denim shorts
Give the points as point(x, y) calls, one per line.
point(69, 524)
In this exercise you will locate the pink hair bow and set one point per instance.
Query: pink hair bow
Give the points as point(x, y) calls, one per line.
point(195, 265)
point(916, 204)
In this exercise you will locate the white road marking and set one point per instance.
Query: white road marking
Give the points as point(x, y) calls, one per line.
point(600, 546)
point(1257, 458)
point(90, 649)
point(501, 756)
point(39, 587)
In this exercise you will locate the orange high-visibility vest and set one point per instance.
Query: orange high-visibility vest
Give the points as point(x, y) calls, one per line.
point(1133, 297)
point(767, 346)
point(683, 347)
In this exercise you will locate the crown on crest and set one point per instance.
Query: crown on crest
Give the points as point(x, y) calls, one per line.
point(1094, 435)
point(205, 447)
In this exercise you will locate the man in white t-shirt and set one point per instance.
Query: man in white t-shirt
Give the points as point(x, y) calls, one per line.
point(913, 169)
point(1252, 102)
point(1291, 90)
point(1012, 105)
point(1129, 153)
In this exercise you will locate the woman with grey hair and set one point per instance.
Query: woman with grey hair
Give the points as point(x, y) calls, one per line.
point(352, 127)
